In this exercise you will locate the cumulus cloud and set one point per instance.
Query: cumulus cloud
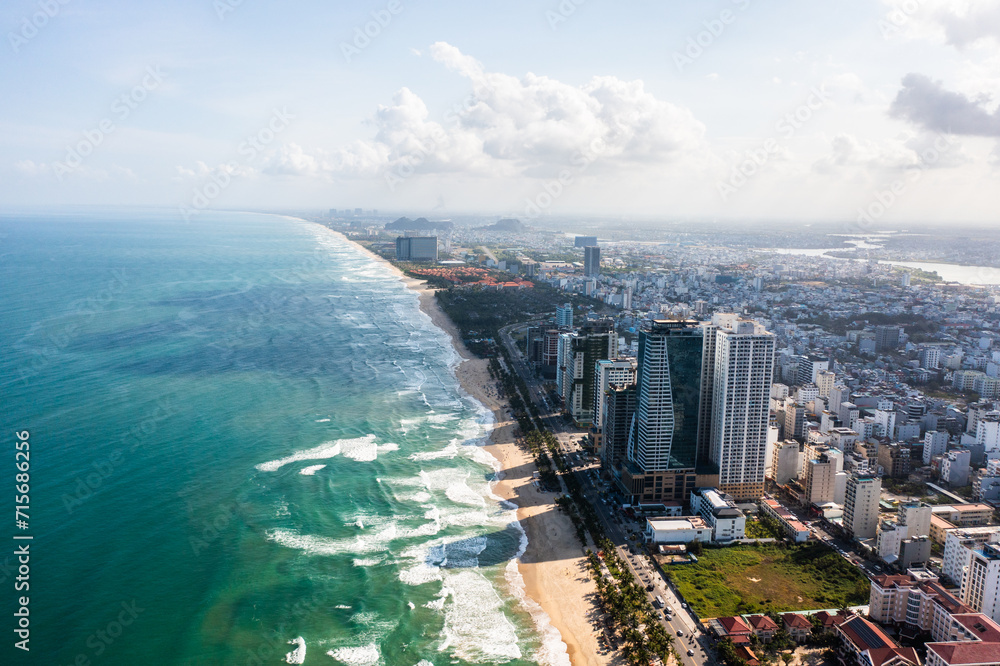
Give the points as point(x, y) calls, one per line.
point(847, 151)
point(959, 23)
point(200, 170)
point(927, 104)
point(851, 156)
point(508, 126)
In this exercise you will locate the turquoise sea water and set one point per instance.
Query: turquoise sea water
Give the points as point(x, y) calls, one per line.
point(245, 439)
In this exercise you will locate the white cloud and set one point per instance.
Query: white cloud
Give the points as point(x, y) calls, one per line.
point(533, 126)
point(852, 157)
point(31, 169)
point(959, 23)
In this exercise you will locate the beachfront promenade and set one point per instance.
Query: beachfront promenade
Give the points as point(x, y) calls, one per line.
point(692, 637)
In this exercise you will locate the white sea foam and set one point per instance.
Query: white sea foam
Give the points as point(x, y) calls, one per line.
point(553, 651)
point(475, 628)
point(342, 607)
point(424, 662)
point(367, 542)
point(455, 485)
point(420, 574)
point(321, 452)
point(298, 655)
point(449, 452)
point(312, 469)
point(361, 450)
point(322, 420)
point(412, 605)
point(367, 562)
point(366, 655)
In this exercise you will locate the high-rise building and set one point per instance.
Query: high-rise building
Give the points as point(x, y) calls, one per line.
point(824, 382)
point(579, 353)
point(861, 505)
point(585, 241)
point(550, 348)
point(785, 462)
point(619, 407)
point(591, 260)
point(795, 420)
point(894, 459)
point(564, 315)
point(887, 337)
point(820, 479)
point(663, 439)
point(959, 545)
point(619, 372)
point(416, 248)
point(809, 368)
point(930, 358)
point(736, 395)
point(980, 588)
point(935, 444)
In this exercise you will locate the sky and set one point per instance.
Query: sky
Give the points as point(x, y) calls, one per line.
point(870, 112)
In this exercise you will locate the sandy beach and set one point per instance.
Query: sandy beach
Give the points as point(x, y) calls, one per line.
point(553, 566)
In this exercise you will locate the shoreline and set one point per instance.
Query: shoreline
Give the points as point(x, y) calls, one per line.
point(553, 567)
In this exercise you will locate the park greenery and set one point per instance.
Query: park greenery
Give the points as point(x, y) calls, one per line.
point(774, 577)
point(480, 312)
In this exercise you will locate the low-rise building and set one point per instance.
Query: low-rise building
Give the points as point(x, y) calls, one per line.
point(791, 526)
point(720, 512)
point(964, 515)
point(684, 529)
point(763, 627)
point(797, 626)
point(863, 643)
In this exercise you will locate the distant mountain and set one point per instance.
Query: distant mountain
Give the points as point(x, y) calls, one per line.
point(419, 224)
point(508, 225)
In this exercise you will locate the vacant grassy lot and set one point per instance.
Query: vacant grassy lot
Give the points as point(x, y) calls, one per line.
point(752, 579)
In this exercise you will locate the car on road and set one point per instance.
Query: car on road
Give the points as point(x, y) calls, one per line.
point(680, 632)
point(690, 653)
point(649, 588)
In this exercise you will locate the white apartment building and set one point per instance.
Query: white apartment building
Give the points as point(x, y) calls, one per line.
point(861, 506)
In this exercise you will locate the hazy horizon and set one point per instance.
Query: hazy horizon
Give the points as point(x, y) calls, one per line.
point(732, 110)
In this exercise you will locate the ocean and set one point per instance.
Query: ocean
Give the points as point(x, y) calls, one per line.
point(247, 446)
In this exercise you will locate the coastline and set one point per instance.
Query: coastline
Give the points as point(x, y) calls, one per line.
point(553, 566)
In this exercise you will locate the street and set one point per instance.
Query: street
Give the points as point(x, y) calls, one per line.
point(682, 626)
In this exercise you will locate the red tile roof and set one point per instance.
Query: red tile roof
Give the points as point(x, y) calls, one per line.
point(734, 625)
point(796, 620)
point(763, 623)
point(966, 652)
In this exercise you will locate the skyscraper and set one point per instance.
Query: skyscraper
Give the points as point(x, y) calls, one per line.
point(610, 372)
point(584, 241)
point(591, 260)
point(564, 315)
point(736, 386)
point(579, 353)
point(663, 438)
point(619, 407)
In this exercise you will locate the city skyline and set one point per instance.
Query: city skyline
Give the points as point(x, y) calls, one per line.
point(736, 110)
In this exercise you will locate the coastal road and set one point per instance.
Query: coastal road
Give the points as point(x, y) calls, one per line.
point(587, 473)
